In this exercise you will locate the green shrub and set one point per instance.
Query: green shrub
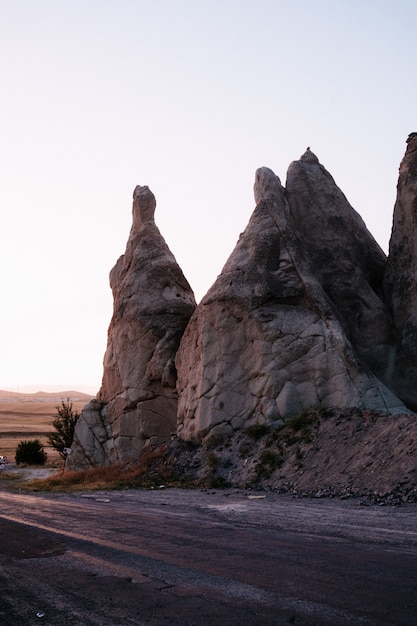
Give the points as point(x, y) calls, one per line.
point(215, 441)
point(212, 460)
point(300, 427)
point(64, 425)
point(217, 482)
point(302, 421)
point(256, 431)
point(271, 458)
point(244, 449)
point(30, 452)
point(269, 461)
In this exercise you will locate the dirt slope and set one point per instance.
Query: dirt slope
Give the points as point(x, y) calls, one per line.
point(325, 453)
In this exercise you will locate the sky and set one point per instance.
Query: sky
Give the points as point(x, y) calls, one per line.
point(189, 97)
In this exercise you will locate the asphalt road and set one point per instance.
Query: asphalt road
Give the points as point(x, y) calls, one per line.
point(184, 557)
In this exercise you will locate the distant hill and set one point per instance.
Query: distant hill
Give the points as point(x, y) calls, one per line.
point(50, 395)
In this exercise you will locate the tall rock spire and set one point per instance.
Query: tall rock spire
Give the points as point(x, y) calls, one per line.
point(153, 302)
point(401, 279)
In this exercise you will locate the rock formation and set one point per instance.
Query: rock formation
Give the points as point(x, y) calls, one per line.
point(153, 302)
point(306, 314)
point(276, 333)
point(401, 280)
point(344, 257)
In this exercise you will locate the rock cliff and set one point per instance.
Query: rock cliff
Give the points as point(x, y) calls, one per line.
point(307, 315)
point(153, 302)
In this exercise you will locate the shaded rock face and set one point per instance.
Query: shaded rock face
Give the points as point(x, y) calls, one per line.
point(344, 257)
point(401, 279)
point(153, 302)
point(295, 319)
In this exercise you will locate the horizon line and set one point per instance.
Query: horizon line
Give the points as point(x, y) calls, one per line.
point(88, 389)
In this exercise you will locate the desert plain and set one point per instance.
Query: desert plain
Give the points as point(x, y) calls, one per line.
point(25, 416)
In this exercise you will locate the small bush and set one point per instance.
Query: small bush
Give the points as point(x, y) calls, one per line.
point(244, 449)
point(269, 461)
point(64, 425)
point(30, 452)
point(271, 458)
point(213, 460)
point(217, 482)
point(302, 421)
point(256, 431)
point(215, 441)
point(300, 427)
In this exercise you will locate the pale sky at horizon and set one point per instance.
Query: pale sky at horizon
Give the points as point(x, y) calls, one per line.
point(189, 97)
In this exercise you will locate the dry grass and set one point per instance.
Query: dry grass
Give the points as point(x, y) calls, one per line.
point(151, 471)
point(6, 476)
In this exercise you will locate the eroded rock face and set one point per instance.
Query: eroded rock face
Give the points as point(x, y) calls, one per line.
point(268, 339)
point(401, 279)
point(344, 257)
point(153, 302)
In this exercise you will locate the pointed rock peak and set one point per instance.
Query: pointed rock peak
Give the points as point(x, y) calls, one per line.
point(152, 304)
point(408, 164)
point(267, 185)
point(143, 208)
point(309, 157)
point(411, 143)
